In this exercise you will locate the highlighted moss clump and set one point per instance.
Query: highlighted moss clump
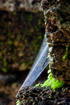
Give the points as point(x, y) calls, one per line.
point(37, 85)
point(52, 82)
point(18, 102)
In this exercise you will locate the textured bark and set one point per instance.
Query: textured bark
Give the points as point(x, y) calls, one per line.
point(28, 5)
point(57, 20)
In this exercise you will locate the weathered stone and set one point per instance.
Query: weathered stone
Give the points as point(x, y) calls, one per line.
point(44, 96)
point(57, 21)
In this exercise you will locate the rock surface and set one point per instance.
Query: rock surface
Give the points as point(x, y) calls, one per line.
point(57, 20)
point(44, 96)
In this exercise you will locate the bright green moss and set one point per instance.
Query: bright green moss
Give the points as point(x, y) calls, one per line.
point(37, 85)
point(66, 53)
point(52, 82)
point(4, 70)
point(18, 102)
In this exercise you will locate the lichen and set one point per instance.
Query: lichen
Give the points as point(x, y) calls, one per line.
point(4, 70)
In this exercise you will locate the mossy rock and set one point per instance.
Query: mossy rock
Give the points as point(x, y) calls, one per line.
point(44, 96)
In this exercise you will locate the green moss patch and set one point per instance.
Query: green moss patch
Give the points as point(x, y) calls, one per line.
point(52, 82)
point(18, 102)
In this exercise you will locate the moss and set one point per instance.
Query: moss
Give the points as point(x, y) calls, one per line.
point(39, 22)
point(1, 43)
point(66, 53)
point(5, 62)
point(36, 28)
point(9, 33)
point(57, 39)
point(30, 17)
point(0, 55)
point(22, 39)
point(37, 85)
point(4, 70)
point(18, 102)
point(10, 42)
point(14, 13)
point(52, 82)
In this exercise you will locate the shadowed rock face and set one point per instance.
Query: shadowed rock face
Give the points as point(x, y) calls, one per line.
point(57, 20)
point(28, 5)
